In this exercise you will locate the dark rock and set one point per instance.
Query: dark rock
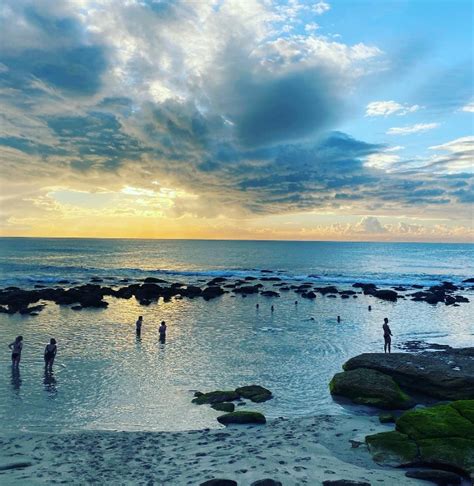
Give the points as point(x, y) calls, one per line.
point(96, 279)
point(216, 281)
point(145, 301)
point(347, 292)
point(270, 279)
point(441, 478)
point(344, 296)
point(223, 407)
point(367, 288)
point(449, 300)
point(217, 396)
point(250, 278)
point(330, 296)
point(219, 482)
point(308, 295)
point(15, 465)
point(249, 289)
point(191, 291)
point(241, 417)
point(266, 482)
point(468, 280)
point(447, 375)
point(327, 290)
point(212, 292)
point(460, 298)
point(386, 294)
point(270, 293)
point(255, 393)
point(386, 418)
point(150, 280)
point(32, 309)
point(369, 387)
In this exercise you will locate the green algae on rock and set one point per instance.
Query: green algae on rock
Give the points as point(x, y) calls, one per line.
point(442, 435)
point(242, 418)
point(255, 393)
point(369, 387)
point(217, 396)
point(223, 406)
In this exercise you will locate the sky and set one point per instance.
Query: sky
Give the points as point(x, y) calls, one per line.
point(237, 119)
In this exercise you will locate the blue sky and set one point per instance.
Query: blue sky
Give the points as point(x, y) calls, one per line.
point(237, 119)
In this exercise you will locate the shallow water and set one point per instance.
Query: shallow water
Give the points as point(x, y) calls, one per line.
point(105, 379)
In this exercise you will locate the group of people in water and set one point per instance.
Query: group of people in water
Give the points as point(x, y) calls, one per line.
point(51, 348)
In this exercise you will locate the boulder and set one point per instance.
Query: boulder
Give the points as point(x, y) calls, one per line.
point(217, 396)
point(446, 375)
point(266, 482)
point(386, 418)
point(441, 478)
point(440, 436)
point(248, 289)
point(255, 393)
point(468, 280)
point(386, 294)
point(223, 407)
point(369, 387)
point(241, 417)
point(219, 482)
point(150, 280)
point(308, 295)
point(344, 482)
point(212, 292)
point(326, 290)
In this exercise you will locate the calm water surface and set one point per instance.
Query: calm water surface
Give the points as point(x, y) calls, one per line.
point(105, 379)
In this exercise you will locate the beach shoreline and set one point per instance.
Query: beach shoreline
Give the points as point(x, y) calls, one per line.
point(293, 451)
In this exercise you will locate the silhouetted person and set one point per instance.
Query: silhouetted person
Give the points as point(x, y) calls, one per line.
point(296, 302)
point(16, 347)
point(257, 306)
point(50, 353)
point(338, 318)
point(387, 336)
point(162, 331)
point(138, 326)
point(272, 308)
point(370, 307)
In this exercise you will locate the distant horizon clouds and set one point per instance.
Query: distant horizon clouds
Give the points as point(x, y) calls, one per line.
point(191, 119)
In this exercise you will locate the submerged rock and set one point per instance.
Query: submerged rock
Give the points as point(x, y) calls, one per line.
point(217, 396)
point(369, 387)
point(441, 436)
point(219, 482)
point(223, 407)
point(446, 375)
point(255, 393)
point(242, 417)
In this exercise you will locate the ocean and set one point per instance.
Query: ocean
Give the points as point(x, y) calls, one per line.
point(105, 378)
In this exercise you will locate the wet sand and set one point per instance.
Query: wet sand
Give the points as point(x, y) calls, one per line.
point(293, 451)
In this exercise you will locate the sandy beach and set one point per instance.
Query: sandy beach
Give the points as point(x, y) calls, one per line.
point(295, 452)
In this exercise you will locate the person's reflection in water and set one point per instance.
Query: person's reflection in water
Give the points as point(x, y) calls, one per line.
point(50, 382)
point(16, 379)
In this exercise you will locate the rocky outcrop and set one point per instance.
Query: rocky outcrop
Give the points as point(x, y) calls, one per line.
point(255, 393)
point(223, 407)
point(369, 387)
point(441, 436)
point(386, 294)
point(445, 375)
point(242, 417)
point(217, 396)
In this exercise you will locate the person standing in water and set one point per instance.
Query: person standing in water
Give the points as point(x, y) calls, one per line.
point(162, 331)
point(139, 326)
point(49, 354)
point(16, 347)
point(387, 336)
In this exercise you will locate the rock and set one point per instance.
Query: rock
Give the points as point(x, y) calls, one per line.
point(96, 279)
point(386, 418)
point(191, 291)
point(441, 478)
point(223, 407)
point(241, 417)
point(270, 279)
point(215, 281)
point(369, 387)
point(308, 295)
point(327, 290)
point(32, 309)
point(386, 294)
point(367, 288)
point(255, 393)
point(440, 436)
point(212, 292)
point(266, 482)
point(446, 375)
point(270, 293)
point(249, 289)
point(15, 465)
point(468, 280)
point(344, 482)
point(150, 280)
point(217, 396)
point(219, 482)
point(460, 298)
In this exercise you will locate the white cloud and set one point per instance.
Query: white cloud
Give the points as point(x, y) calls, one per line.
point(311, 27)
point(369, 224)
point(417, 128)
point(469, 107)
point(382, 160)
point(386, 108)
point(321, 7)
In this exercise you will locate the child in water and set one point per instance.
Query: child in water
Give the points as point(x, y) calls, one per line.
point(16, 347)
point(50, 353)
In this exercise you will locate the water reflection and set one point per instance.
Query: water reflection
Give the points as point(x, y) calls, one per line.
point(16, 379)
point(50, 382)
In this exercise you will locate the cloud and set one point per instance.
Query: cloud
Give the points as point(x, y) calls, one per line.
point(469, 108)
point(417, 128)
point(385, 108)
point(321, 8)
point(369, 224)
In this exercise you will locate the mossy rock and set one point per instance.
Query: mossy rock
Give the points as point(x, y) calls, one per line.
point(370, 387)
point(217, 396)
point(450, 452)
point(386, 418)
point(435, 422)
point(465, 408)
point(223, 407)
point(242, 418)
point(255, 393)
point(392, 448)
